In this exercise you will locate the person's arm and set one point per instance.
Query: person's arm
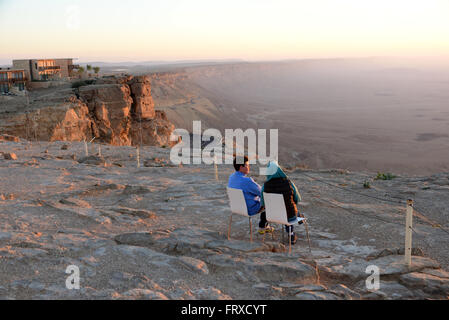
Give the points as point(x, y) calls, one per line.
point(262, 203)
point(297, 195)
point(252, 187)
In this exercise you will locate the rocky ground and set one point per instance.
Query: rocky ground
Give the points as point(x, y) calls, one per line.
point(159, 231)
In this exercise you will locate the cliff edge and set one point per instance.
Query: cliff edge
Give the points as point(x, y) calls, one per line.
point(113, 110)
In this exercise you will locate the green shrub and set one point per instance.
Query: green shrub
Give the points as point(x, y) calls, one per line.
point(78, 84)
point(384, 176)
point(366, 185)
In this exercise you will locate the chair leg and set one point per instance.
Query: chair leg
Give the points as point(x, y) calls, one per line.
point(282, 227)
point(229, 227)
point(250, 230)
point(289, 243)
point(307, 233)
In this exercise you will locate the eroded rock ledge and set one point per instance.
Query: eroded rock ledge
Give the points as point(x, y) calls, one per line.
point(114, 110)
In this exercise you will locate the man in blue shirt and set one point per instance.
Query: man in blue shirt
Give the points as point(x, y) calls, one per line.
point(251, 192)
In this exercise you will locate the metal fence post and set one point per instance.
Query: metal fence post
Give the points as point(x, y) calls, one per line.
point(408, 233)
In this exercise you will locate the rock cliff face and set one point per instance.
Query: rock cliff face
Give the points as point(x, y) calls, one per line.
point(118, 111)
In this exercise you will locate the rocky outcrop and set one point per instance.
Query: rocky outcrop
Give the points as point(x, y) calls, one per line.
point(66, 119)
point(6, 137)
point(123, 112)
point(117, 111)
point(110, 107)
point(143, 105)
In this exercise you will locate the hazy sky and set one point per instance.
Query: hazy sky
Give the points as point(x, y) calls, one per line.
point(113, 30)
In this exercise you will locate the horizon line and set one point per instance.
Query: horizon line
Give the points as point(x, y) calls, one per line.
point(3, 62)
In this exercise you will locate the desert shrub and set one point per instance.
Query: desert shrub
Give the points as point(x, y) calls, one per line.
point(384, 176)
point(366, 185)
point(78, 84)
point(296, 166)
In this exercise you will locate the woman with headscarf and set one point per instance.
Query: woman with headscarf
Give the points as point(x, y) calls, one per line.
point(277, 182)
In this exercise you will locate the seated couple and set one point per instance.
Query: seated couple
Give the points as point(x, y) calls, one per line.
point(277, 182)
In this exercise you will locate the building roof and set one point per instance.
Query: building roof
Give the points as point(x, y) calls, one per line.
point(45, 59)
point(10, 69)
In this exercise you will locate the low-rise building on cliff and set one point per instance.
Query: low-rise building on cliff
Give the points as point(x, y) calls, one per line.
point(12, 78)
point(46, 69)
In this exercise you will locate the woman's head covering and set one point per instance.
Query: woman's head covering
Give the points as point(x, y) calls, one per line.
point(274, 171)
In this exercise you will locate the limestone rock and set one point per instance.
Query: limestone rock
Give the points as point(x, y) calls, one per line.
point(427, 282)
point(310, 288)
point(237, 245)
point(344, 292)
point(316, 295)
point(156, 131)
point(111, 105)
point(9, 156)
point(7, 137)
point(143, 105)
point(132, 189)
point(436, 272)
point(119, 280)
point(295, 288)
point(144, 294)
point(116, 110)
point(394, 251)
point(391, 265)
point(267, 270)
point(141, 213)
point(69, 122)
point(389, 290)
point(193, 264)
point(135, 239)
point(96, 160)
point(75, 202)
point(210, 293)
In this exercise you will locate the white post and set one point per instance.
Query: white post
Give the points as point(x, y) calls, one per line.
point(138, 157)
point(34, 127)
point(215, 166)
point(408, 233)
point(99, 150)
point(85, 148)
point(90, 143)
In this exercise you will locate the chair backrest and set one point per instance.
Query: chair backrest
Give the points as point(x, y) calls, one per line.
point(237, 201)
point(275, 208)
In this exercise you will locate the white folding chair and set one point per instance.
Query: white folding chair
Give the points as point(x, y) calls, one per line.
point(277, 213)
point(238, 206)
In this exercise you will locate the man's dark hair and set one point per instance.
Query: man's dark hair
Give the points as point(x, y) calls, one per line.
point(239, 161)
